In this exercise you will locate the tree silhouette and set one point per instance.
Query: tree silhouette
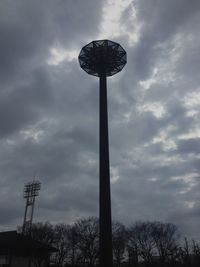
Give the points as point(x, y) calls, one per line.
point(165, 237)
point(119, 239)
point(88, 241)
point(62, 243)
point(152, 244)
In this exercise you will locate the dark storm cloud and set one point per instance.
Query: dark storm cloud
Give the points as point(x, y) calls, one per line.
point(28, 29)
point(49, 112)
point(29, 94)
point(160, 22)
point(155, 165)
point(24, 34)
point(20, 106)
point(189, 146)
point(170, 16)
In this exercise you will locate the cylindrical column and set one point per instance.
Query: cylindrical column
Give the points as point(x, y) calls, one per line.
point(104, 179)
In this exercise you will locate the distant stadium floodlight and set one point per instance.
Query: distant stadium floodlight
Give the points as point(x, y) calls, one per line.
point(31, 190)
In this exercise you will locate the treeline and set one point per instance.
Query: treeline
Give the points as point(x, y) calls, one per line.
point(149, 244)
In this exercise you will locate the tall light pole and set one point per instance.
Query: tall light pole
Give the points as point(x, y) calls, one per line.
point(103, 58)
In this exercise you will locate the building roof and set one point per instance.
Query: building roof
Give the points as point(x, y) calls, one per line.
point(21, 244)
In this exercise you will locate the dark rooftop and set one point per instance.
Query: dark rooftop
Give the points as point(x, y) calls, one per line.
point(22, 244)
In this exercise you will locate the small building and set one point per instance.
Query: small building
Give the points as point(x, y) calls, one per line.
point(18, 250)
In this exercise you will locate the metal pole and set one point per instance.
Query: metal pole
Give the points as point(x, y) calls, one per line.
point(25, 214)
point(104, 180)
point(32, 210)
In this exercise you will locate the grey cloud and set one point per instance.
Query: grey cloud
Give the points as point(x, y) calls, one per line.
point(49, 113)
point(22, 105)
point(161, 22)
point(163, 19)
point(28, 29)
point(30, 92)
point(189, 146)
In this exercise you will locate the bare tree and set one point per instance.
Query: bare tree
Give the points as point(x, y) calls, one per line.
point(62, 243)
point(132, 247)
point(119, 242)
point(44, 233)
point(184, 253)
point(144, 240)
point(196, 253)
point(73, 256)
point(165, 237)
point(88, 235)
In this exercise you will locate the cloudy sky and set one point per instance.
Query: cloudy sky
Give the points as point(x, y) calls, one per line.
point(49, 110)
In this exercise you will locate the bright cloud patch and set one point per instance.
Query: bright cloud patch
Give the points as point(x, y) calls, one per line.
point(111, 25)
point(58, 55)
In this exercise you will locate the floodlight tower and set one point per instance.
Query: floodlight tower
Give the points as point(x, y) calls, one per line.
point(31, 190)
point(103, 58)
